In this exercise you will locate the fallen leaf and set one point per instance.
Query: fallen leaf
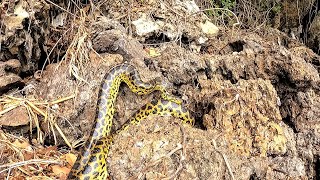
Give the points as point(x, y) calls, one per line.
point(71, 158)
point(22, 145)
point(61, 172)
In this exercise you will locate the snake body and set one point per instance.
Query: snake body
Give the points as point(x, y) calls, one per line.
point(91, 163)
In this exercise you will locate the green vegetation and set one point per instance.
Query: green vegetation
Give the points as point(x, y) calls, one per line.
point(221, 10)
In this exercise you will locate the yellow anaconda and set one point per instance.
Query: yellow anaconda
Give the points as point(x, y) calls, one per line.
point(91, 163)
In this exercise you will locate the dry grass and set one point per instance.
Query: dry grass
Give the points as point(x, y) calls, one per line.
point(76, 38)
point(36, 109)
point(16, 153)
point(78, 51)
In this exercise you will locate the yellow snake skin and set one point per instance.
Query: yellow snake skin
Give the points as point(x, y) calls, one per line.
point(91, 163)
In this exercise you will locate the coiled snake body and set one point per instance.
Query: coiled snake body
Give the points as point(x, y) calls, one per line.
point(91, 163)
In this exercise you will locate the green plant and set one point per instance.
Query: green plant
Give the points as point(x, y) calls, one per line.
point(228, 4)
point(221, 9)
point(276, 9)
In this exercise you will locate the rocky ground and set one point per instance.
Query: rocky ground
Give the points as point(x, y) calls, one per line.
point(255, 95)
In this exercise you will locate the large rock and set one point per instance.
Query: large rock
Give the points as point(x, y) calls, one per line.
point(9, 75)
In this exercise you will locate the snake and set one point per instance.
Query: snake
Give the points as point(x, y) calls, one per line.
point(91, 162)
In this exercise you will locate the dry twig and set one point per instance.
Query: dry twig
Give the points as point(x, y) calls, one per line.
point(10, 166)
point(225, 159)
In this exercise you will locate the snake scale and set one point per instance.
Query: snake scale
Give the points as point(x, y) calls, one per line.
point(91, 163)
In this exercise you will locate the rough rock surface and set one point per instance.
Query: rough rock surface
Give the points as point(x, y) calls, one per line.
point(9, 75)
point(15, 117)
point(17, 40)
